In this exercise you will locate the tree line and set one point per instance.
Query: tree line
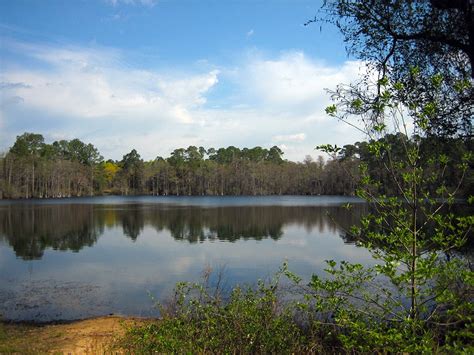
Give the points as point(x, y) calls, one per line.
point(34, 169)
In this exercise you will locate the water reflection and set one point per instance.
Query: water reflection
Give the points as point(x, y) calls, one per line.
point(96, 256)
point(30, 229)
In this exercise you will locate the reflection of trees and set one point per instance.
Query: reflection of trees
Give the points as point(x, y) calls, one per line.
point(196, 224)
point(132, 222)
point(223, 223)
point(337, 219)
point(30, 229)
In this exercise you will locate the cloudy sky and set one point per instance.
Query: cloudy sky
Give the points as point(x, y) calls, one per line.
point(156, 75)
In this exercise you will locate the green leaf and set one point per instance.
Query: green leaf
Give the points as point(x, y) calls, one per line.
point(331, 110)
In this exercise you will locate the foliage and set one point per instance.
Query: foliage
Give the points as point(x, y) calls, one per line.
point(110, 170)
point(432, 34)
point(33, 168)
point(201, 320)
point(398, 38)
point(418, 297)
point(62, 169)
point(28, 144)
point(344, 313)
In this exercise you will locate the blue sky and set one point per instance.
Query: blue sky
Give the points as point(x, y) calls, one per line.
point(157, 75)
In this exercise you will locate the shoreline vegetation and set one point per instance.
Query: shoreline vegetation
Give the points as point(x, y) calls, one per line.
point(35, 169)
point(280, 315)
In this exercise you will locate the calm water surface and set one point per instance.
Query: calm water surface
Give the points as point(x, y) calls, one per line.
point(75, 258)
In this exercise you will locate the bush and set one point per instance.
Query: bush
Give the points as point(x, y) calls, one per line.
point(199, 319)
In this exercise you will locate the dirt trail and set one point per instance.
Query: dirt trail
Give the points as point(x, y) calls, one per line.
point(90, 336)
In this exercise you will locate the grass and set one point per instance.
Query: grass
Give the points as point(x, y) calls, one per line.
point(20, 339)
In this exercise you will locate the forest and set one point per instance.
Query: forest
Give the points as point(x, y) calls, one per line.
point(35, 169)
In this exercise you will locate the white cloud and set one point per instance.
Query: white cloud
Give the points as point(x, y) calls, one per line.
point(295, 81)
point(189, 90)
point(92, 84)
point(93, 94)
point(250, 33)
point(298, 137)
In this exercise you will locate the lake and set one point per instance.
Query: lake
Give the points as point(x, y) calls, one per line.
point(64, 259)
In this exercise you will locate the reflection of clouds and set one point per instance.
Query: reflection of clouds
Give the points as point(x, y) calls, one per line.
point(124, 271)
point(182, 264)
point(298, 242)
point(351, 252)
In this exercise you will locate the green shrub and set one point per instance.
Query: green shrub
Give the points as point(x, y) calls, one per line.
point(249, 320)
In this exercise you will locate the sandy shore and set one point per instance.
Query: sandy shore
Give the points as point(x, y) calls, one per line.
point(89, 336)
